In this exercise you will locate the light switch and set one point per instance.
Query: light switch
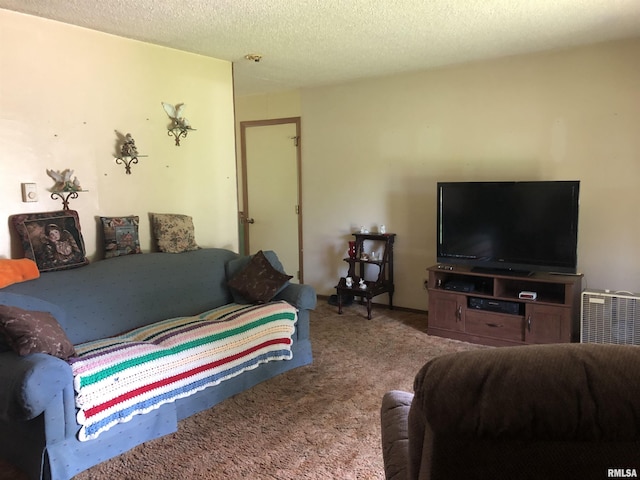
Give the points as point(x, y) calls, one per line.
point(29, 192)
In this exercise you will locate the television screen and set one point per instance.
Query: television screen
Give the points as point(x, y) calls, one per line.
point(510, 226)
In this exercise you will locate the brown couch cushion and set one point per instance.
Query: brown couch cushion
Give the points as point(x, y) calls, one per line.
point(259, 281)
point(568, 391)
point(34, 332)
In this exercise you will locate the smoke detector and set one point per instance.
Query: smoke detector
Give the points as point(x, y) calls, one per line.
point(256, 57)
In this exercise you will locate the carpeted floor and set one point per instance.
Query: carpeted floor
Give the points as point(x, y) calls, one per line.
point(316, 422)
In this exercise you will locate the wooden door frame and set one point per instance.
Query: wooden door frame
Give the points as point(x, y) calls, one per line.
point(244, 213)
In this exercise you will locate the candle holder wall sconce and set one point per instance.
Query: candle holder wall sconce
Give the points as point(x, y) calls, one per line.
point(128, 153)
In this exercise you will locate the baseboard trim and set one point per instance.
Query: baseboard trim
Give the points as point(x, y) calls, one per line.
point(382, 305)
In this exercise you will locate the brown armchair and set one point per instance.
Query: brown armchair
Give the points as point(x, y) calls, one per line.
point(544, 412)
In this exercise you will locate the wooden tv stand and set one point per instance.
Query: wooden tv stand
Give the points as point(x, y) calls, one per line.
point(485, 308)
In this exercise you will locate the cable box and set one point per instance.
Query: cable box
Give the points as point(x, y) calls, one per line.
point(499, 306)
point(459, 286)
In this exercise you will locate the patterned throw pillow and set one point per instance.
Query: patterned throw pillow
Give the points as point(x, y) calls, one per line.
point(52, 239)
point(258, 281)
point(174, 233)
point(29, 331)
point(120, 236)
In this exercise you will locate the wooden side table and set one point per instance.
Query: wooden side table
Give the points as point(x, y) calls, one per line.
point(383, 260)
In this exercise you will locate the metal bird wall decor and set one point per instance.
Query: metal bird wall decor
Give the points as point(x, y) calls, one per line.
point(63, 181)
point(180, 126)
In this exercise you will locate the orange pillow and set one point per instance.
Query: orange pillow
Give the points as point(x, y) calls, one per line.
point(19, 270)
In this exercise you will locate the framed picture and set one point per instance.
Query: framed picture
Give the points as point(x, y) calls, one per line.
point(52, 239)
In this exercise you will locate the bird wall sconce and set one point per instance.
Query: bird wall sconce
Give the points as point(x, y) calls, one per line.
point(180, 126)
point(64, 188)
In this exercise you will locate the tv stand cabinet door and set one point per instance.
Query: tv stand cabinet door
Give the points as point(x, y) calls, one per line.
point(446, 311)
point(547, 324)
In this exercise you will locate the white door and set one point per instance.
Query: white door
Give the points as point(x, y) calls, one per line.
point(271, 215)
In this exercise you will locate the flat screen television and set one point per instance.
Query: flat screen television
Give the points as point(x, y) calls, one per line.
point(510, 227)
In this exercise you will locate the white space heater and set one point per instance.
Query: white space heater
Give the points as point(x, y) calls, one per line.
point(610, 317)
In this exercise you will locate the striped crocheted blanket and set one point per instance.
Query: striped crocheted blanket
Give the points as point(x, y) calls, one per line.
point(133, 373)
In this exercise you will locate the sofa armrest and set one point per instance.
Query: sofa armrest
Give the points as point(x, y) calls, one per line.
point(394, 429)
point(30, 383)
point(301, 296)
point(581, 392)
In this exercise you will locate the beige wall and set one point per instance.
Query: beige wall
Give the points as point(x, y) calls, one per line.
point(267, 107)
point(373, 150)
point(64, 91)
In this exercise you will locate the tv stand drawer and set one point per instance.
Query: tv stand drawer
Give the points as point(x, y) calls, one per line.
point(502, 326)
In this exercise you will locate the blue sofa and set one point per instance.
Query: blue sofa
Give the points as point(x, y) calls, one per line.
point(38, 427)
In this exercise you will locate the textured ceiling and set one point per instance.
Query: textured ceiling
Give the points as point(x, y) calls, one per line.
point(318, 42)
